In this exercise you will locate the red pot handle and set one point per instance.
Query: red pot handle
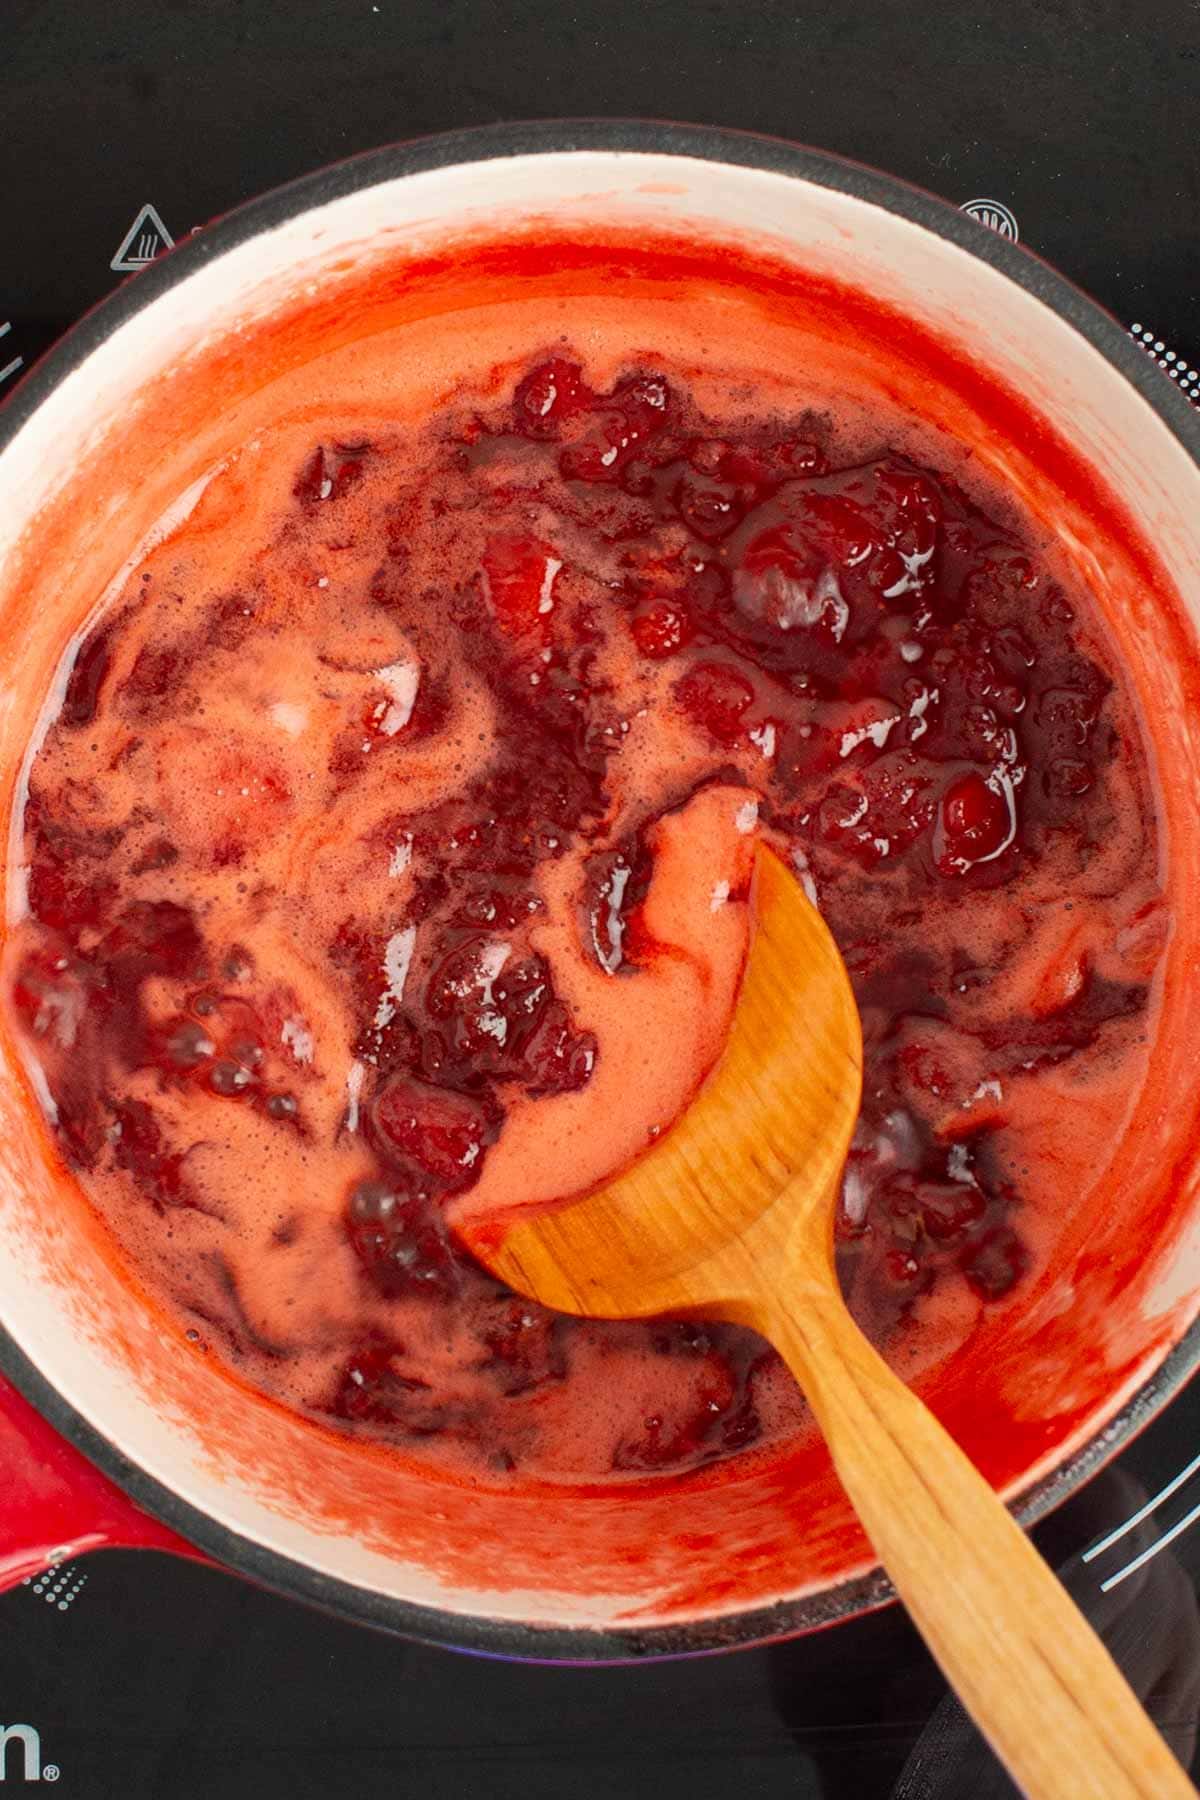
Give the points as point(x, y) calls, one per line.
point(55, 1505)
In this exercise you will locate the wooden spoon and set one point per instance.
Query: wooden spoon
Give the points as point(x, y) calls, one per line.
point(730, 1216)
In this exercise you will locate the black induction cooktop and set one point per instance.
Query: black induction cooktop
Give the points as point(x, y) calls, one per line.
point(122, 128)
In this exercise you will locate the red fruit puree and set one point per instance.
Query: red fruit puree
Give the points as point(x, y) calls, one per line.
point(388, 854)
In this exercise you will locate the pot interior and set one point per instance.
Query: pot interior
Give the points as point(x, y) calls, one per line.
point(721, 263)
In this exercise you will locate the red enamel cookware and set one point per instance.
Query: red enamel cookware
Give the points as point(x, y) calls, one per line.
point(107, 1435)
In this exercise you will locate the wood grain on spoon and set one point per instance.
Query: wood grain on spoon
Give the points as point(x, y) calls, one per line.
point(730, 1216)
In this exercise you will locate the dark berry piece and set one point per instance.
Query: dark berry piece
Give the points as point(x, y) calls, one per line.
point(155, 678)
point(949, 1208)
point(557, 1059)
point(975, 823)
point(442, 1131)
point(711, 509)
point(50, 995)
point(716, 697)
point(400, 1238)
point(329, 473)
point(666, 1442)
point(66, 896)
point(548, 396)
point(662, 629)
point(519, 575)
point(155, 937)
point(372, 1390)
point(139, 1146)
point(1067, 778)
point(524, 1344)
point(88, 673)
point(995, 1265)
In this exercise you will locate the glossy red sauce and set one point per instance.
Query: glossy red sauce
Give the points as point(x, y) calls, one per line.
point(388, 852)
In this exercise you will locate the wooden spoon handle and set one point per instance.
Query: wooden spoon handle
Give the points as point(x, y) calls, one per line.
point(1025, 1662)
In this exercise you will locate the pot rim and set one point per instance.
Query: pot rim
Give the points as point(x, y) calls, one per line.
point(476, 1632)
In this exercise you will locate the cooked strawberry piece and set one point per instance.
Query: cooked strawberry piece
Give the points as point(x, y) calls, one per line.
point(519, 575)
point(88, 674)
point(995, 1265)
point(400, 1237)
point(443, 1131)
point(975, 824)
point(548, 396)
point(716, 697)
point(667, 1439)
point(524, 1344)
point(139, 1146)
point(330, 473)
point(373, 1389)
point(662, 629)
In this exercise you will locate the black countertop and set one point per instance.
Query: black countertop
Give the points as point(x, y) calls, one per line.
point(170, 1681)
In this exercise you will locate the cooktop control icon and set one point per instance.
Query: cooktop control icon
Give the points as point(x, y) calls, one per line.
point(14, 362)
point(995, 214)
point(146, 238)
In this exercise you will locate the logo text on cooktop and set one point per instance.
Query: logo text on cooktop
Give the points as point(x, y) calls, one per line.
point(993, 213)
point(21, 1756)
point(146, 238)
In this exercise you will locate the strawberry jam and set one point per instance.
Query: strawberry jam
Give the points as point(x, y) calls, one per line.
point(389, 857)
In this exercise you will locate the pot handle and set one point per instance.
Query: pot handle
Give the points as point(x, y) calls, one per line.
point(55, 1505)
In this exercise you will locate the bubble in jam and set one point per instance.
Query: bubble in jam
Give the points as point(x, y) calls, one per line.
point(389, 855)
